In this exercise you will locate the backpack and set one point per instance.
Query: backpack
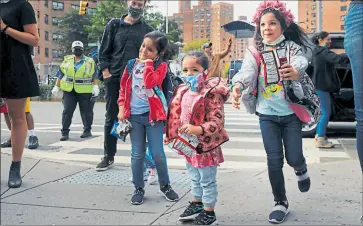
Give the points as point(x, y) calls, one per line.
point(170, 82)
point(307, 109)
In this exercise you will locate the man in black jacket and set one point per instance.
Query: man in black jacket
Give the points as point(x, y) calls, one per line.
point(120, 42)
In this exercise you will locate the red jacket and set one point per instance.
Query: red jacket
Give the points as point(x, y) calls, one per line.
point(152, 78)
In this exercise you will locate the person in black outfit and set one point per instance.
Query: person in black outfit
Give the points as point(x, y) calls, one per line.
point(326, 81)
point(120, 43)
point(19, 32)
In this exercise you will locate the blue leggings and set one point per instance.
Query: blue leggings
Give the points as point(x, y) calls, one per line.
point(325, 104)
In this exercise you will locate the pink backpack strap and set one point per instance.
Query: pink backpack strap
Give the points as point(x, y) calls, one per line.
point(256, 55)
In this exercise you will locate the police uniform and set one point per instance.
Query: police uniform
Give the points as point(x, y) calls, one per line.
point(76, 82)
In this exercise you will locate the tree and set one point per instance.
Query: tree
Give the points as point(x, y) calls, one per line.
point(106, 10)
point(72, 27)
point(174, 34)
point(194, 45)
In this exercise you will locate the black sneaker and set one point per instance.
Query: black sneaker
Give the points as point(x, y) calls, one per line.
point(169, 193)
point(64, 137)
point(105, 163)
point(303, 180)
point(138, 196)
point(279, 212)
point(191, 212)
point(86, 134)
point(206, 218)
point(6, 144)
point(33, 142)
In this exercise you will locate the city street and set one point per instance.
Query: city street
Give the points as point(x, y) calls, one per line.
point(60, 185)
point(244, 150)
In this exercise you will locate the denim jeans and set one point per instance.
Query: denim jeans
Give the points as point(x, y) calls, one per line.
point(325, 105)
point(353, 44)
point(141, 128)
point(204, 184)
point(148, 162)
point(276, 129)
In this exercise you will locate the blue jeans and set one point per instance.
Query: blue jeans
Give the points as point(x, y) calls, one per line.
point(141, 128)
point(325, 105)
point(148, 162)
point(353, 44)
point(274, 130)
point(204, 184)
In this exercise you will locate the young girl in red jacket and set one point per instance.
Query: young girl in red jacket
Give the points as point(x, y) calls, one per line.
point(141, 105)
point(197, 109)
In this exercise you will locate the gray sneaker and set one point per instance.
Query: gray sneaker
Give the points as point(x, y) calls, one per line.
point(322, 142)
point(138, 196)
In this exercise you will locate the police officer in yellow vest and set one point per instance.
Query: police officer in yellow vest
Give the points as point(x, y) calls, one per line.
point(77, 79)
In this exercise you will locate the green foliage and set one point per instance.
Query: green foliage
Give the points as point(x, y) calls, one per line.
point(106, 10)
point(194, 45)
point(72, 27)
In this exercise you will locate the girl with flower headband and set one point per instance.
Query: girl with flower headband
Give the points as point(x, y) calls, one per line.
point(280, 42)
point(196, 109)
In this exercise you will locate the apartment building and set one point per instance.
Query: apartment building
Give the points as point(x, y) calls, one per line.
point(48, 13)
point(333, 15)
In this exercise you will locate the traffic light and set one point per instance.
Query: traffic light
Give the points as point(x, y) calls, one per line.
point(83, 7)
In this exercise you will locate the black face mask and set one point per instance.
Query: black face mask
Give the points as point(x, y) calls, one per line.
point(134, 12)
point(78, 52)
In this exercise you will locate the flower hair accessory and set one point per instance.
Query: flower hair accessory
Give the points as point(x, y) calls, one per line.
point(277, 6)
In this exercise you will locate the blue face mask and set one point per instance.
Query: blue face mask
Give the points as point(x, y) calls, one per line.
point(194, 82)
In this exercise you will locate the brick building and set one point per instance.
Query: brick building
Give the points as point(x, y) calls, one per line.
point(48, 13)
point(333, 15)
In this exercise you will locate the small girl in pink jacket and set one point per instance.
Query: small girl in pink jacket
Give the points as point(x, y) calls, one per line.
point(197, 109)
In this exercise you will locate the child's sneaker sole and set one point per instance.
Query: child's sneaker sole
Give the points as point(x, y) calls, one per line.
point(274, 221)
point(188, 218)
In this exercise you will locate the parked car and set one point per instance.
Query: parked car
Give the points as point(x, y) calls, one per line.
point(342, 102)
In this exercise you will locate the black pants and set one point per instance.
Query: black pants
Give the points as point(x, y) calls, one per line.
point(112, 87)
point(70, 100)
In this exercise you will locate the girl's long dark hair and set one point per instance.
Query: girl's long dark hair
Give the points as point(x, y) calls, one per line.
point(163, 47)
point(293, 33)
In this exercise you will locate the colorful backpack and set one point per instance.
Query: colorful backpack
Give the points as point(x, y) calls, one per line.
point(306, 109)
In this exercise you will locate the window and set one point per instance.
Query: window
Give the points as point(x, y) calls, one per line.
point(342, 27)
point(313, 30)
point(313, 15)
point(342, 18)
point(56, 36)
point(38, 50)
point(55, 21)
point(313, 22)
point(76, 7)
point(46, 35)
point(58, 5)
point(46, 51)
point(56, 53)
point(45, 18)
point(91, 11)
point(343, 0)
point(46, 3)
point(343, 8)
point(38, 14)
point(313, 7)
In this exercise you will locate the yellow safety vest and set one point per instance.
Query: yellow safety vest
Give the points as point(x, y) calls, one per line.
point(80, 81)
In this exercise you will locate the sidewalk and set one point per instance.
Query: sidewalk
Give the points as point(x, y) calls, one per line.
point(73, 193)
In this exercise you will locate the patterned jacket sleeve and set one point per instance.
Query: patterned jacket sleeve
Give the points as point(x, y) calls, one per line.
point(214, 115)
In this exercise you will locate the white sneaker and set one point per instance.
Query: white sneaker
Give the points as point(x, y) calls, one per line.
point(152, 177)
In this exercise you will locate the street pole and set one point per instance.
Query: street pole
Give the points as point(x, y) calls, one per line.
point(320, 16)
point(167, 17)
